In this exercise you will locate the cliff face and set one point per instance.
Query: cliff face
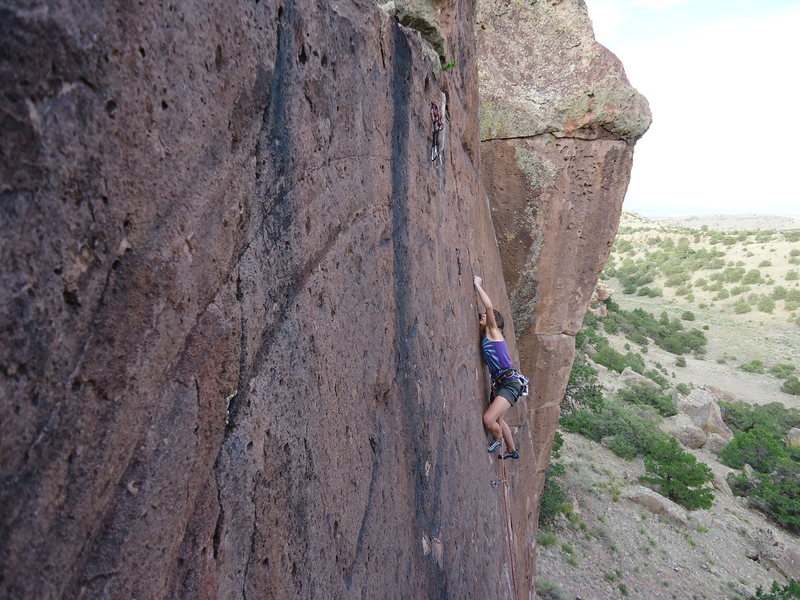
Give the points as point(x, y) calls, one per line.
point(558, 124)
point(240, 352)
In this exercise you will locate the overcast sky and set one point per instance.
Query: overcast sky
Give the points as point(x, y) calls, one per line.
point(723, 81)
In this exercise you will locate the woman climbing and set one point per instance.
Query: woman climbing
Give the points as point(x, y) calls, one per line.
point(506, 383)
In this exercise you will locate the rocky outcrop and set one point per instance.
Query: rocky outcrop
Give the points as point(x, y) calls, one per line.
point(701, 405)
point(631, 378)
point(715, 443)
point(683, 428)
point(597, 305)
point(240, 354)
point(793, 438)
point(558, 123)
point(656, 504)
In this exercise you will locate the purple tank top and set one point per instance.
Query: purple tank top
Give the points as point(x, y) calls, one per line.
point(496, 356)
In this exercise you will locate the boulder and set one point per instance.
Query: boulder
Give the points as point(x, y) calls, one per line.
point(687, 433)
point(630, 378)
point(596, 304)
point(793, 438)
point(695, 399)
point(715, 443)
point(765, 547)
point(744, 591)
point(721, 484)
point(720, 394)
point(709, 418)
point(788, 562)
point(677, 396)
point(656, 504)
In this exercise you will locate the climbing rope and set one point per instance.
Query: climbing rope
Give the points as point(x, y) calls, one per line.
point(509, 530)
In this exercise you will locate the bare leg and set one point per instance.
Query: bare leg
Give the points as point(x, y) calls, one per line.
point(492, 415)
point(507, 435)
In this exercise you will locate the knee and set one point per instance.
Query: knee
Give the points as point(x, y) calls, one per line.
point(488, 421)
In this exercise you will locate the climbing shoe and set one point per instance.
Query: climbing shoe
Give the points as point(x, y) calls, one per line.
point(494, 446)
point(505, 455)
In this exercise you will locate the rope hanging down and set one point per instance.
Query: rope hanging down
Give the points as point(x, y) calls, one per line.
point(509, 531)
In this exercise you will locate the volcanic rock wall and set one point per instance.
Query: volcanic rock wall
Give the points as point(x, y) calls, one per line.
point(240, 353)
point(558, 124)
point(240, 345)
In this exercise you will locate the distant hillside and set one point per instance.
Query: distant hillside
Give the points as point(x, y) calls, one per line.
point(715, 222)
point(742, 286)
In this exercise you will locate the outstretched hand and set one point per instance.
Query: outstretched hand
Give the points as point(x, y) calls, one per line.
point(477, 280)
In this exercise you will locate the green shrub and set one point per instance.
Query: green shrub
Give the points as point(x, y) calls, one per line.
point(688, 316)
point(741, 306)
point(794, 252)
point(739, 289)
point(753, 276)
point(782, 370)
point(792, 235)
point(677, 279)
point(657, 377)
point(778, 592)
point(761, 448)
point(632, 434)
point(780, 292)
point(648, 395)
point(682, 342)
point(775, 417)
point(775, 494)
point(547, 590)
point(553, 495)
point(766, 304)
point(765, 263)
point(683, 389)
point(680, 362)
point(611, 359)
point(791, 386)
point(678, 475)
point(754, 366)
point(792, 276)
point(583, 389)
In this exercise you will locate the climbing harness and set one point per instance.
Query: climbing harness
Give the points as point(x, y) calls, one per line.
point(506, 374)
point(438, 125)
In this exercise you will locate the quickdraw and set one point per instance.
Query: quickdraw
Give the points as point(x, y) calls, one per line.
point(438, 125)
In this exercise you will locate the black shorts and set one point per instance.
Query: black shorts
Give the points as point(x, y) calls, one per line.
point(509, 389)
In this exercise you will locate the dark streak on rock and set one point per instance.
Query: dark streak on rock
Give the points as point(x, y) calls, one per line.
point(405, 324)
point(368, 510)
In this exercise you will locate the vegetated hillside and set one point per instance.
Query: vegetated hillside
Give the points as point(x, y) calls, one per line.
point(743, 285)
point(679, 475)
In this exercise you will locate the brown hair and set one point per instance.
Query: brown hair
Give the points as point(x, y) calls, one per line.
point(498, 318)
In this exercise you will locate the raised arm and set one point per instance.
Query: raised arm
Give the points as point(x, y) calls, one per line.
point(487, 303)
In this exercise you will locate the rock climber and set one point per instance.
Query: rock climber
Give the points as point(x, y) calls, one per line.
point(507, 383)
